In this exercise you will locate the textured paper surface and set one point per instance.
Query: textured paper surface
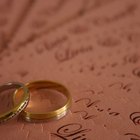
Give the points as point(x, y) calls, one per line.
point(90, 46)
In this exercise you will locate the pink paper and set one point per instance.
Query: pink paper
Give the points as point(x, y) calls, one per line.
point(90, 46)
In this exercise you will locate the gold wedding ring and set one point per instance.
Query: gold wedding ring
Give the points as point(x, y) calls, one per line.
point(55, 114)
point(20, 106)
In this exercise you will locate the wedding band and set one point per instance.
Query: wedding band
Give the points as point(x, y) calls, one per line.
point(51, 115)
point(20, 106)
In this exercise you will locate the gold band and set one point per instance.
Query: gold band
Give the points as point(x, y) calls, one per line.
point(20, 106)
point(56, 114)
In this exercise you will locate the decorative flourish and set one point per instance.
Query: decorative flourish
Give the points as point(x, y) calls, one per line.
point(73, 131)
point(135, 117)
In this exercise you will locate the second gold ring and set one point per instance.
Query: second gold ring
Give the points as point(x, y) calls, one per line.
point(55, 114)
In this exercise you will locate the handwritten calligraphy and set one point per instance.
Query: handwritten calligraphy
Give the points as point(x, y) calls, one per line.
point(112, 113)
point(94, 43)
point(121, 15)
point(131, 58)
point(49, 11)
point(69, 53)
point(133, 136)
point(38, 24)
point(135, 117)
point(136, 72)
point(73, 131)
point(109, 42)
point(79, 29)
point(133, 37)
point(85, 7)
point(51, 45)
point(3, 21)
point(5, 6)
point(89, 103)
point(120, 85)
point(85, 115)
point(55, 8)
point(3, 43)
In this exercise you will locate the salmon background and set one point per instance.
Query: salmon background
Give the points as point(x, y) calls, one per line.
point(90, 46)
